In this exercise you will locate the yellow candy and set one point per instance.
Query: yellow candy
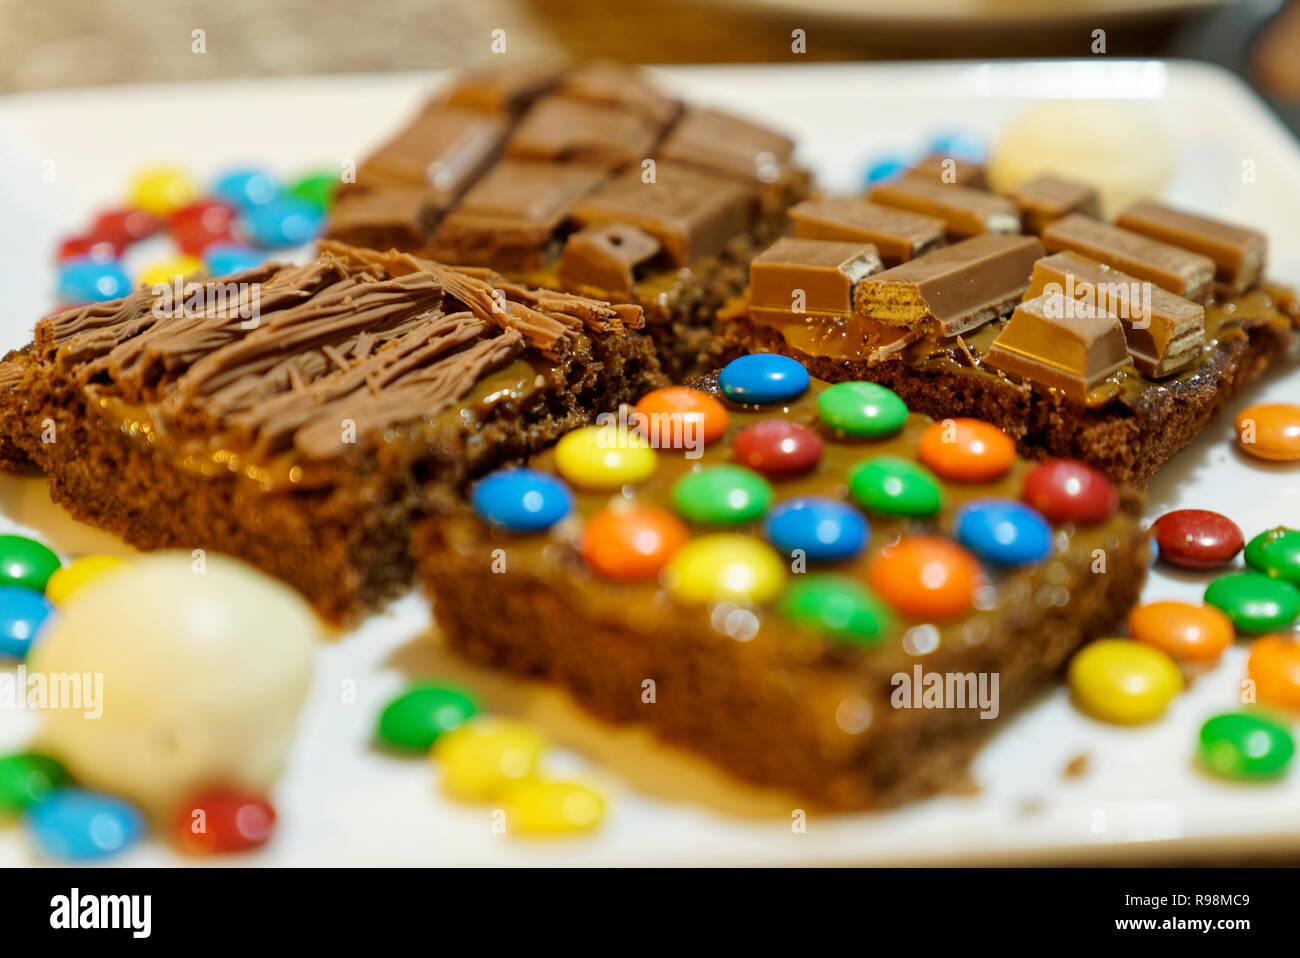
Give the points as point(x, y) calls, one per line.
point(480, 759)
point(600, 457)
point(552, 808)
point(725, 567)
point(73, 576)
point(165, 273)
point(160, 190)
point(1120, 680)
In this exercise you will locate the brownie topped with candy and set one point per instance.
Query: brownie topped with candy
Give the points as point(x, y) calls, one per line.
point(807, 583)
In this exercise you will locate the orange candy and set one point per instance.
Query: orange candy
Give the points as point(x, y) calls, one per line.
point(677, 414)
point(926, 577)
point(631, 542)
point(967, 450)
point(1270, 431)
point(1274, 666)
point(1192, 633)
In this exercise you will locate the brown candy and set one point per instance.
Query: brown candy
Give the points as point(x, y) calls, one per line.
point(386, 217)
point(807, 277)
point(1165, 332)
point(601, 259)
point(1060, 343)
point(966, 212)
point(503, 89)
point(954, 289)
point(1182, 273)
point(729, 146)
point(949, 171)
point(897, 234)
point(613, 84)
point(1239, 254)
point(564, 130)
point(1046, 199)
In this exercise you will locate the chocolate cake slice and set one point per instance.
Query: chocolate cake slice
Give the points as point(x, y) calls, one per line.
point(302, 417)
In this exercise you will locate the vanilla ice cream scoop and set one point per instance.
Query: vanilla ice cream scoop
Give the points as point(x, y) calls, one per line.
point(203, 674)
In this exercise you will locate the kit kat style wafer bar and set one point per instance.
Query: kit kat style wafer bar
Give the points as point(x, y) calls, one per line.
point(898, 235)
point(1181, 272)
point(606, 256)
point(966, 212)
point(949, 171)
point(1046, 199)
point(809, 277)
point(1239, 254)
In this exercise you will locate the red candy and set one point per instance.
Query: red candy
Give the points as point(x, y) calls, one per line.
point(778, 448)
point(124, 227)
point(223, 820)
point(1197, 538)
point(97, 248)
point(1067, 491)
point(198, 225)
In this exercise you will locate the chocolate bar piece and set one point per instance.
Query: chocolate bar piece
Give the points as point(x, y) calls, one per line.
point(1239, 254)
point(693, 214)
point(564, 130)
point(949, 171)
point(1165, 333)
point(729, 146)
point(602, 259)
point(1177, 270)
point(964, 211)
point(1046, 199)
point(503, 90)
point(616, 85)
point(386, 217)
point(809, 277)
point(897, 234)
point(1062, 343)
point(954, 289)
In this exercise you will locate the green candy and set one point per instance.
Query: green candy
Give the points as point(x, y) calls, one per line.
point(898, 487)
point(838, 607)
point(26, 778)
point(1276, 553)
point(26, 562)
point(865, 410)
point(317, 189)
point(1242, 745)
point(722, 495)
point(416, 718)
point(1254, 602)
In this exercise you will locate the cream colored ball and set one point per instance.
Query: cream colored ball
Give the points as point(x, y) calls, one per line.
point(204, 673)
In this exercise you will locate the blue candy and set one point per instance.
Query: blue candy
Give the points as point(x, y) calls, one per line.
point(22, 613)
point(1003, 531)
point(522, 500)
point(825, 529)
point(246, 188)
point(222, 259)
point(86, 280)
point(885, 169)
point(285, 221)
point(74, 825)
point(959, 146)
point(763, 378)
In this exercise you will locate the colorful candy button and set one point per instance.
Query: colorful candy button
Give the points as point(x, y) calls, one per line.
point(171, 271)
point(778, 448)
point(604, 457)
point(199, 225)
point(631, 541)
point(316, 188)
point(522, 500)
point(722, 495)
point(26, 562)
point(246, 188)
point(1003, 531)
point(26, 778)
point(1190, 633)
point(552, 808)
point(896, 487)
point(161, 190)
point(926, 577)
point(862, 410)
point(1242, 745)
point(1068, 491)
point(1117, 680)
point(1270, 431)
point(681, 418)
point(959, 145)
point(838, 607)
point(722, 568)
point(883, 169)
point(223, 821)
point(64, 582)
point(482, 758)
point(87, 247)
point(92, 281)
point(22, 613)
point(1197, 538)
point(824, 529)
point(1255, 603)
point(124, 227)
point(415, 719)
point(967, 450)
point(73, 824)
point(223, 259)
point(1276, 553)
point(1274, 667)
point(285, 221)
point(763, 378)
